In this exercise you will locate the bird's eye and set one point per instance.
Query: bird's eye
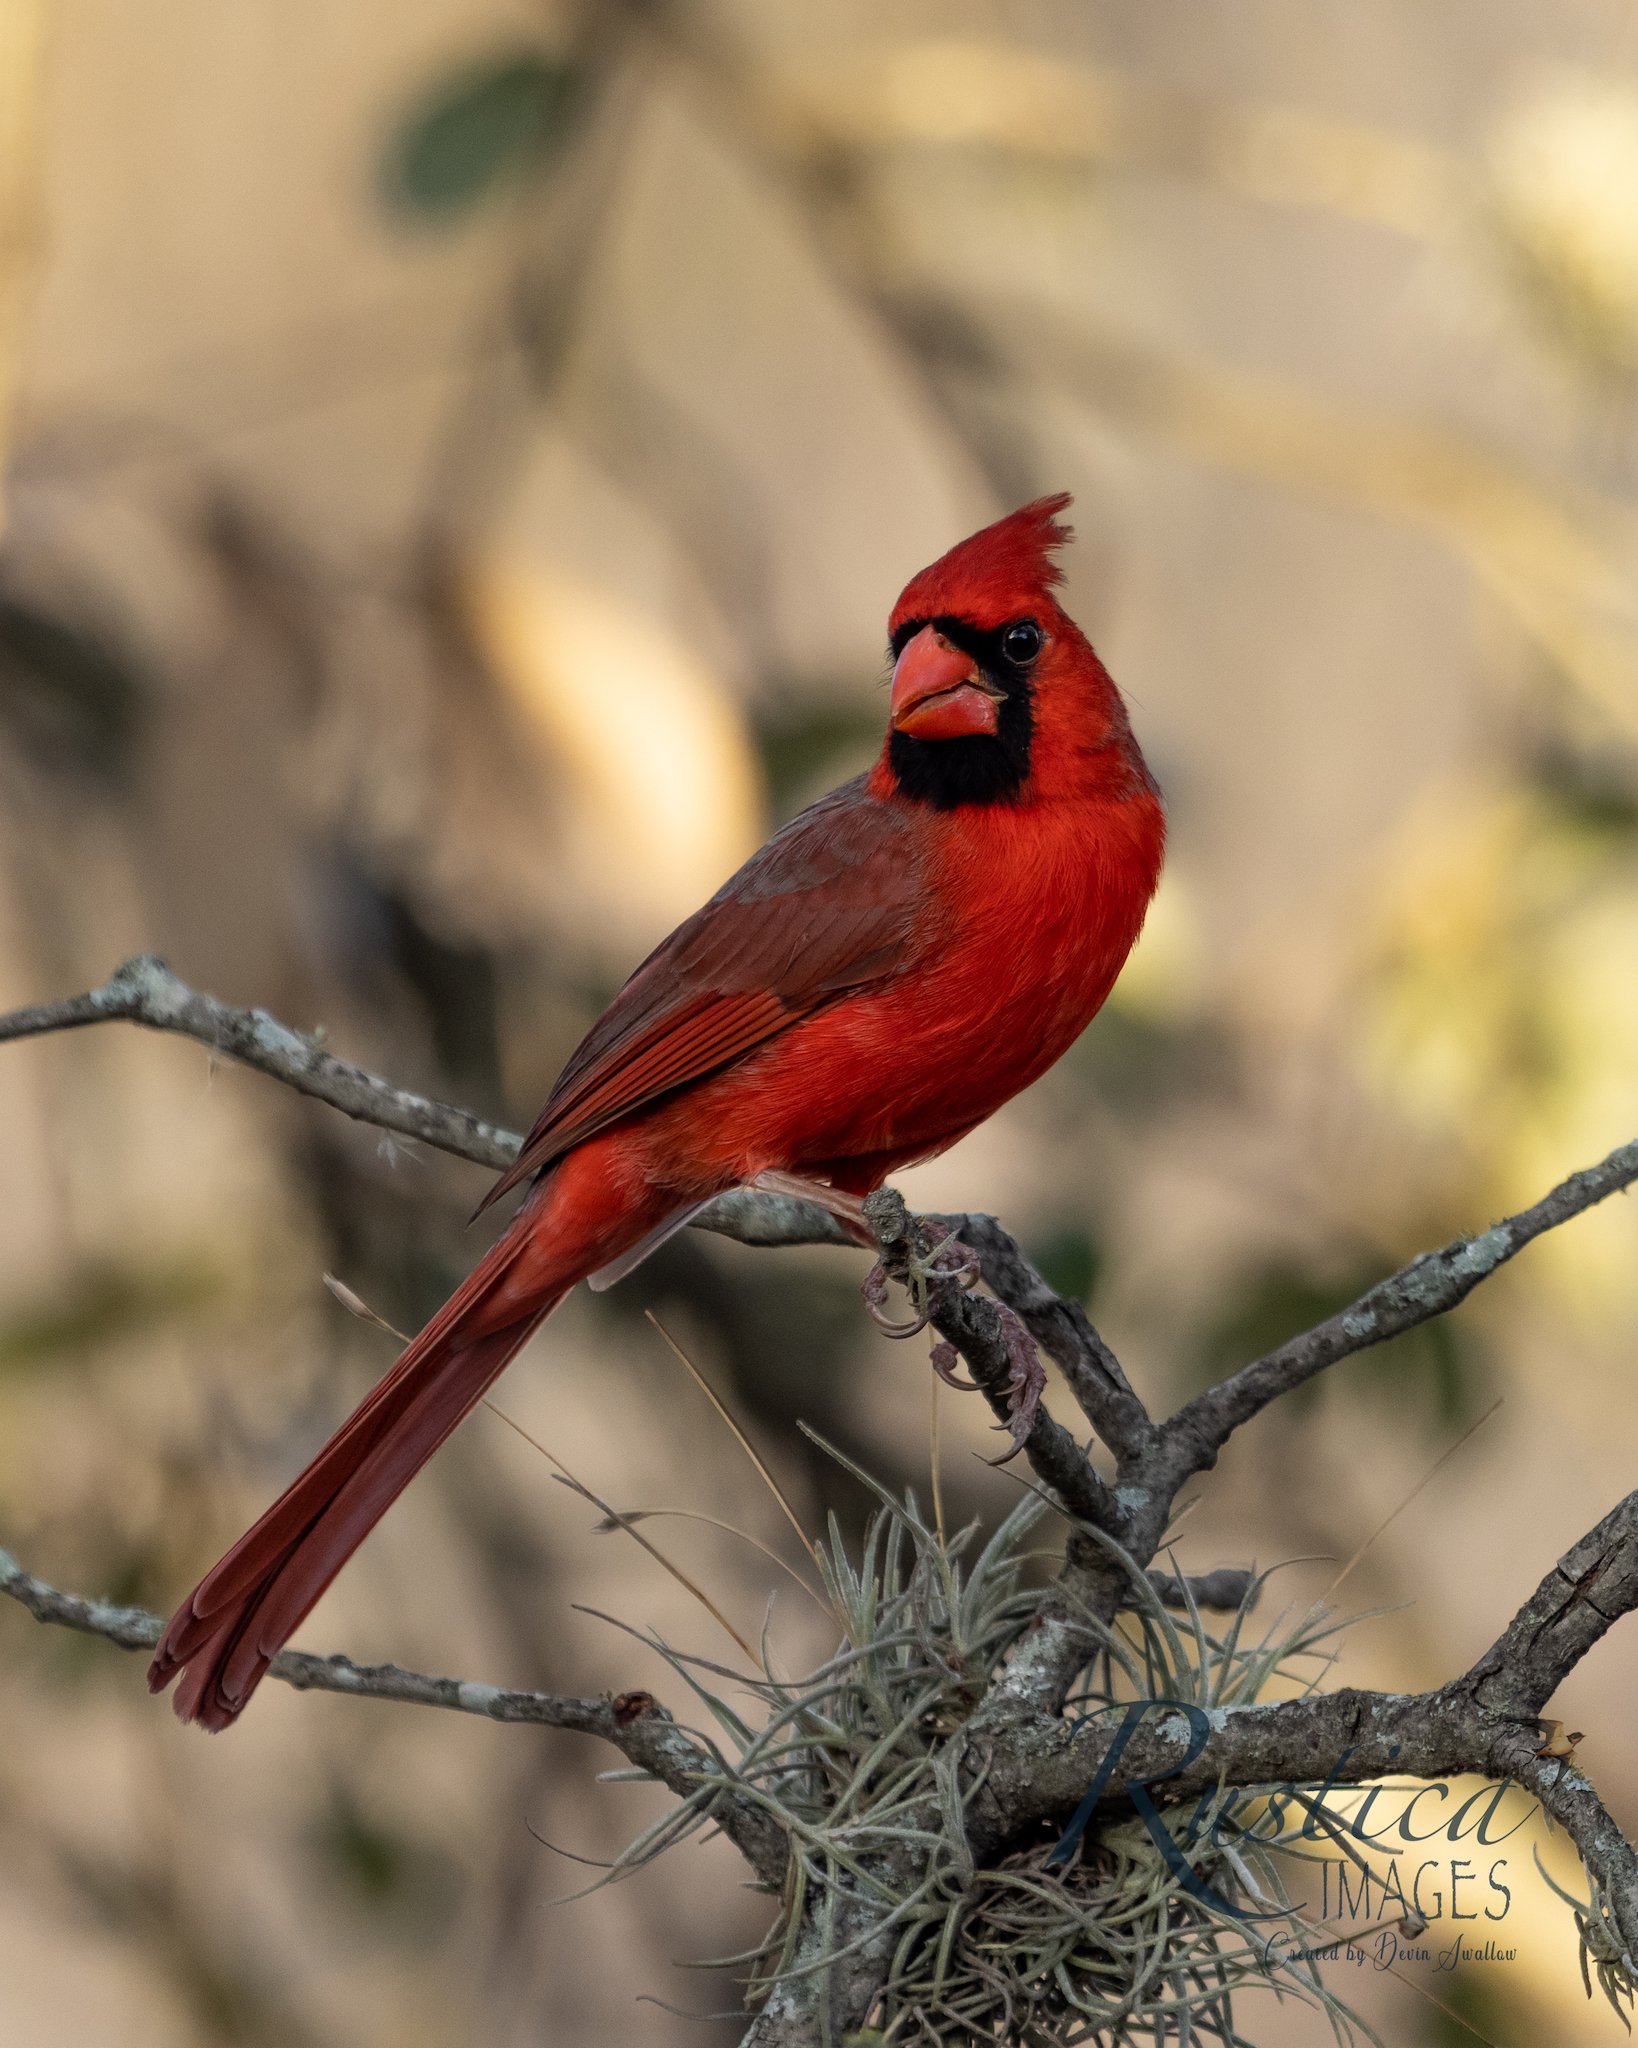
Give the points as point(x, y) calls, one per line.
point(1021, 641)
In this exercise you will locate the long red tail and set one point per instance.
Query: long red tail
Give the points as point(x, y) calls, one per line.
point(226, 1633)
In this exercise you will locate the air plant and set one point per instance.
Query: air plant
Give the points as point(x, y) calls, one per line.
point(1603, 1953)
point(866, 1765)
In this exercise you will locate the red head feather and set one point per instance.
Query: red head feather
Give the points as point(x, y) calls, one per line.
point(995, 573)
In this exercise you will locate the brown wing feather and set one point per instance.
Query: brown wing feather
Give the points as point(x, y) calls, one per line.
point(829, 904)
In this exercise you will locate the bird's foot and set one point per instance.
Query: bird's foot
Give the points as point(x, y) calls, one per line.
point(1019, 1397)
point(1026, 1380)
point(946, 1360)
point(949, 1259)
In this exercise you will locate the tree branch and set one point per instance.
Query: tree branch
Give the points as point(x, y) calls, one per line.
point(1485, 1722)
point(144, 991)
point(1155, 1463)
point(1431, 1285)
point(634, 1722)
point(1037, 1763)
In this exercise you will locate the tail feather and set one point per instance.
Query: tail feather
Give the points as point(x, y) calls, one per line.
point(226, 1633)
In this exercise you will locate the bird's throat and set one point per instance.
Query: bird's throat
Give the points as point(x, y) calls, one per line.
point(974, 769)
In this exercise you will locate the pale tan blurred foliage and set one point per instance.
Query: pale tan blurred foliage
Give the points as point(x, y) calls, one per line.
point(484, 586)
point(1502, 1006)
point(22, 36)
point(1565, 164)
point(666, 792)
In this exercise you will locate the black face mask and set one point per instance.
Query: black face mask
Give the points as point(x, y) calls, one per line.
point(977, 768)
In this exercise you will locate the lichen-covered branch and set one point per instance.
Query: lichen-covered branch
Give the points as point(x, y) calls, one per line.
point(1154, 1463)
point(633, 1722)
point(145, 991)
point(1431, 1285)
point(1487, 1721)
point(1036, 1762)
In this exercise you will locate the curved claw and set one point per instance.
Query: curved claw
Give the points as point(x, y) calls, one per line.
point(874, 1291)
point(964, 1269)
point(890, 1326)
point(944, 1360)
point(1026, 1380)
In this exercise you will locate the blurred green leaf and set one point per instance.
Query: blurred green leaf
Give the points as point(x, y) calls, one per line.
point(102, 1304)
point(1069, 1261)
point(491, 121)
point(815, 744)
point(370, 1858)
point(1473, 2011)
point(383, 1867)
point(1594, 794)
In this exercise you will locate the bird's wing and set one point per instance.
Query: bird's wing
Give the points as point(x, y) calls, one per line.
point(830, 903)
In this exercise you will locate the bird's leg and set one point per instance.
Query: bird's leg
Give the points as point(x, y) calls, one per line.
point(923, 1267)
point(847, 1209)
point(1026, 1378)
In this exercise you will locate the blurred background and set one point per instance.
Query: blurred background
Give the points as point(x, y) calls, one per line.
point(459, 460)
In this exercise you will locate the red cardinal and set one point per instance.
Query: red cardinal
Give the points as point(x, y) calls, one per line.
point(882, 976)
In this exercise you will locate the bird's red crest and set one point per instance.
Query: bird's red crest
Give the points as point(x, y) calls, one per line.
point(993, 574)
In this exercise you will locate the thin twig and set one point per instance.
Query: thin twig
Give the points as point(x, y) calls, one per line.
point(144, 991)
point(633, 1722)
point(617, 1520)
point(1431, 1285)
point(1405, 1500)
point(1485, 1721)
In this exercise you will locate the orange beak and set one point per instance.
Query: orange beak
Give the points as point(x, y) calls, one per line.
point(938, 693)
